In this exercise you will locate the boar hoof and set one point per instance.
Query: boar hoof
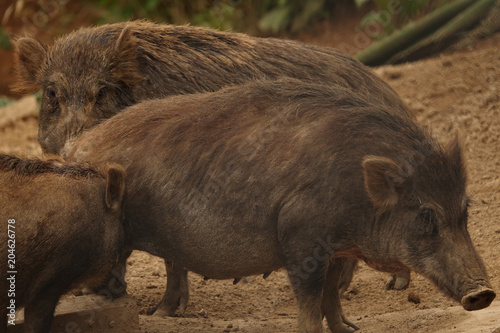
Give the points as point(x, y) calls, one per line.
point(478, 299)
point(162, 313)
point(342, 329)
point(172, 304)
point(350, 323)
point(170, 310)
point(398, 282)
point(82, 291)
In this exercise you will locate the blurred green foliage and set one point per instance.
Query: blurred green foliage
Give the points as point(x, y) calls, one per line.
point(4, 101)
point(290, 15)
point(263, 16)
point(268, 17)
point(4, 41)
point(219, 14)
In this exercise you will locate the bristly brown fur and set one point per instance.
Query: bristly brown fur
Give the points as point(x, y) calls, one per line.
point(32, 167)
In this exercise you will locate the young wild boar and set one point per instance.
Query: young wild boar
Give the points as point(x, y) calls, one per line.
point(62, 225)
point(93, 73)
point(289, 174)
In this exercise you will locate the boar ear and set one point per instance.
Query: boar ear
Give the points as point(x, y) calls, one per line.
point(126, 64)
point(382, 180)
point(115, 186)
point(30, 55)
point(125, 39)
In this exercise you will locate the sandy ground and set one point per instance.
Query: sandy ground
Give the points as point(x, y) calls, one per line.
point(453, 94)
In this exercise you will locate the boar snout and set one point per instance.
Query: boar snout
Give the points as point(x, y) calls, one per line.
point(478, 299)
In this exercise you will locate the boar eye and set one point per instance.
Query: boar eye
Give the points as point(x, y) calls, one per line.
point(51, 93)
point(102, 92)
point(428, 216)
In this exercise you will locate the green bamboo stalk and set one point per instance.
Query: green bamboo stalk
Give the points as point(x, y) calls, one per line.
point(487, 27)
point(381, 51)
point(445, 35)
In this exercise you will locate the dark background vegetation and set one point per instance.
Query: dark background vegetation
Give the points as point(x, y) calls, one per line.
point(260, 17)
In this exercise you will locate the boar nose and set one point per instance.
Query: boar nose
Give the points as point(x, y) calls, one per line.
point(478, 299)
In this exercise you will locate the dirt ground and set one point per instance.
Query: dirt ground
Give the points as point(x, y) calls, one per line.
point(456, 93)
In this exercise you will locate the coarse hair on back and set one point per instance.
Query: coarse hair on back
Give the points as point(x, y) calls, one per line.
point(52, 164)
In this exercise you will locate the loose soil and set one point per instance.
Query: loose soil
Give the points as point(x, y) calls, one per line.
point(453, 94)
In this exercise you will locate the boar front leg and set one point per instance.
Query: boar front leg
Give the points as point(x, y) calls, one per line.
point(39, 313)
point(349, 265)
point(330, 304)
point(3, 318)
point(308, 289)
point(177, 293)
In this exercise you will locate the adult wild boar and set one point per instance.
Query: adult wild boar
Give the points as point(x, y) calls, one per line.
point(289, 174)
point(93, 73)
point(60, 225)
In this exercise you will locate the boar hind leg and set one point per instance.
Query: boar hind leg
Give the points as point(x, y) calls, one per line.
point(348, 267)
point(330, 304)
point(177, 293)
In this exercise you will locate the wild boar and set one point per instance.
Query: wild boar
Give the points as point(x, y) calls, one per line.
point(61, 225)
point(93, 73)
point(284, 173)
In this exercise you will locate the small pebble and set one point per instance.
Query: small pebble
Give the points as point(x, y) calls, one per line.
point(446, 63)
point(202, 313)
